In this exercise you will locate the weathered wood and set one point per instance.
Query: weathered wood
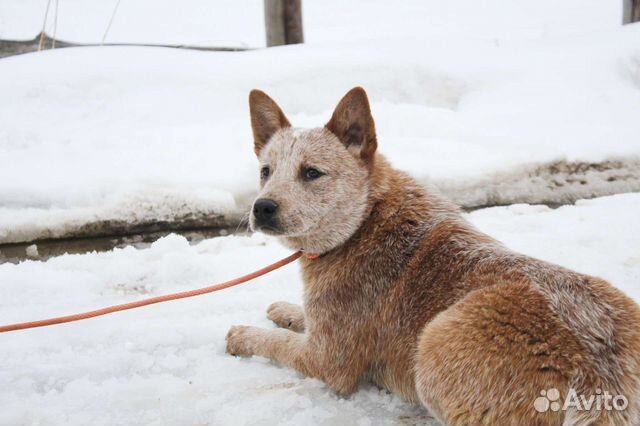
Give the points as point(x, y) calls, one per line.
point(283, 22)
point(274, 22)
point(16, 47)
point(293, 21)
point(630, 11)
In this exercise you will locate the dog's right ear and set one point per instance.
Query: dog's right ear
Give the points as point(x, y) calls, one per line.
point(266, 118)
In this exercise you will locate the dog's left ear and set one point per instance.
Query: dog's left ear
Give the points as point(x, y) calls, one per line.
point(353, 124)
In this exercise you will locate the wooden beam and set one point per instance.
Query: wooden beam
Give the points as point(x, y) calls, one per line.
point(630, 11)
point(16, 47)
point(283, 22)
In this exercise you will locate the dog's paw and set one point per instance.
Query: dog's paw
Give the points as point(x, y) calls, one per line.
point(242, 340)
point(286, 315)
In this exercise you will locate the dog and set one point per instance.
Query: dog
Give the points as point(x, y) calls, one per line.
point(409, 295)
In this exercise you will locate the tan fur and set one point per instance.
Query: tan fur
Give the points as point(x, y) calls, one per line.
point(411, 296)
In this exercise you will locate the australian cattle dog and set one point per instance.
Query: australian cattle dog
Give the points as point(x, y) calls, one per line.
point(409, 295)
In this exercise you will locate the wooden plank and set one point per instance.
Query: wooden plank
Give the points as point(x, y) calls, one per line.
point(17, 47)
point(283, 22)
point(630, 11)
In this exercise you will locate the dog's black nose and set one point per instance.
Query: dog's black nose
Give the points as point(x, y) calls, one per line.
point(265, 209)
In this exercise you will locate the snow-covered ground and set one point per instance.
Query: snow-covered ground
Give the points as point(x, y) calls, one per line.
point(94, 138)
point(165, 365)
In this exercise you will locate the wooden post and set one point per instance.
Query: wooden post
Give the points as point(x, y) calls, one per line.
point(630, 11)
point(283, 22)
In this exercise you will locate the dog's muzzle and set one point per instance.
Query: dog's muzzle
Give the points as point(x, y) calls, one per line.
point(265, 213)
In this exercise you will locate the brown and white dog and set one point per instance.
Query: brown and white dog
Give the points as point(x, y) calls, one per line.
point(408, 294)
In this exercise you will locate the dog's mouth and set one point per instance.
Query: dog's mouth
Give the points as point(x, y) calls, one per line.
point(292, 230)
point(269, 230)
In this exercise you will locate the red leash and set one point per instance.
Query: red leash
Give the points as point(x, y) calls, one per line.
point(154, 300)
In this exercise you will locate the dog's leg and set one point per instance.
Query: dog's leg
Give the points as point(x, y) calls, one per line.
point(286, 315)
point(339, 366)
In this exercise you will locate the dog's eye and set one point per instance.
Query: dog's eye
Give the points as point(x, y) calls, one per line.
point(311, 174)
point(265, 172)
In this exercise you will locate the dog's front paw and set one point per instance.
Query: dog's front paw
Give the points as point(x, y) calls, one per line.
point(242, 340)
point(286, 315)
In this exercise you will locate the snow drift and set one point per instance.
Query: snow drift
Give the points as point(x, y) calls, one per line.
point(101, 140)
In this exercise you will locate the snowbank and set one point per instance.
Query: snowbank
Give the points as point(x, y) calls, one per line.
point(98, 140)
point(166, 364)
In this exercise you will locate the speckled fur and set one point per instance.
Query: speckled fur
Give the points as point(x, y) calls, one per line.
point(411, 296)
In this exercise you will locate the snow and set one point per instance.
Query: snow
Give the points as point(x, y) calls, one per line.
point(229, 23)
point(166, 364)
point(32, 251)
point(219, 23)
point(92, 137)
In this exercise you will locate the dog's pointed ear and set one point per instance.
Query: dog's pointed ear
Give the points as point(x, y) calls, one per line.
point(353, 123)
point(266, 118)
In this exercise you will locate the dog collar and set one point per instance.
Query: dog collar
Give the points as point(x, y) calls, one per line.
point(311, 256)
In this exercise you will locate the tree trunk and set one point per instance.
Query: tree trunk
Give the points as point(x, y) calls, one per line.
point(283, 22)
point(630, 11)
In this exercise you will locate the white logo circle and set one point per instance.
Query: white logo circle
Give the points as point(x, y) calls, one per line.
point(547, 401)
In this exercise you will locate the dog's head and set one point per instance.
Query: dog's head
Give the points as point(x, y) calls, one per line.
point(314, 182)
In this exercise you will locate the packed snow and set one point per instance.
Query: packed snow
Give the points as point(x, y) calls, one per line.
point(474, 97)
point(167, 365)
